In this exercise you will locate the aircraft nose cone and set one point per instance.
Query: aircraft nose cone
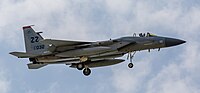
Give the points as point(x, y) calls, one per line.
point(173, 42)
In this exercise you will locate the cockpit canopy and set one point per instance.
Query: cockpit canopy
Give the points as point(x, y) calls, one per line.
point(146, 35)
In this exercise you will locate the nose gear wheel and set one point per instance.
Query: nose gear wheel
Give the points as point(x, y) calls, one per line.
point(130, 65)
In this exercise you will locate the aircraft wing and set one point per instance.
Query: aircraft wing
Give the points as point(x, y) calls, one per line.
point(65, 45)
point(58, 43)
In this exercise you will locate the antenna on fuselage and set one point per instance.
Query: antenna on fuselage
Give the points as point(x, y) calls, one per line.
point(134, 34)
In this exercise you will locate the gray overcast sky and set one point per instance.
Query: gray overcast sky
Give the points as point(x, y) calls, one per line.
point(172, 70)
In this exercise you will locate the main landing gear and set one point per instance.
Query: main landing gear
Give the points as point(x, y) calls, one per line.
point(130, 57)
point(82, 66)
point(86, 70)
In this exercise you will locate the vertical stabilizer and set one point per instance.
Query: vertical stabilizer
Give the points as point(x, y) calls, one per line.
point(32, 44)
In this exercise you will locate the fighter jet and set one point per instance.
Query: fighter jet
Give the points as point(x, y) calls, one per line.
point(85, 55)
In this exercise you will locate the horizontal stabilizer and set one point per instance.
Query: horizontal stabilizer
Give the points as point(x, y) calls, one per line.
point(22, 54)
point(35, 66)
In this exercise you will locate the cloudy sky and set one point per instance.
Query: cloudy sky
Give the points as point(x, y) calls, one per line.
point(172, 70)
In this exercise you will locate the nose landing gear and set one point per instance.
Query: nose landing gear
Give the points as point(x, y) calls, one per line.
point(130, 65)
point(130, 56)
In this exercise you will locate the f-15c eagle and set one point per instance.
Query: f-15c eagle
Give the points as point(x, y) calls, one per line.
point(86, 55)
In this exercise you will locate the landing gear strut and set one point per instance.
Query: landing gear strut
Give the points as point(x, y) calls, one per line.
point(130, 56)
point(82, 66)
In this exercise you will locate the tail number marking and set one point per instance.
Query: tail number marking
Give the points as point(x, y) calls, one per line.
point(39, 47)
point(34, 39)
